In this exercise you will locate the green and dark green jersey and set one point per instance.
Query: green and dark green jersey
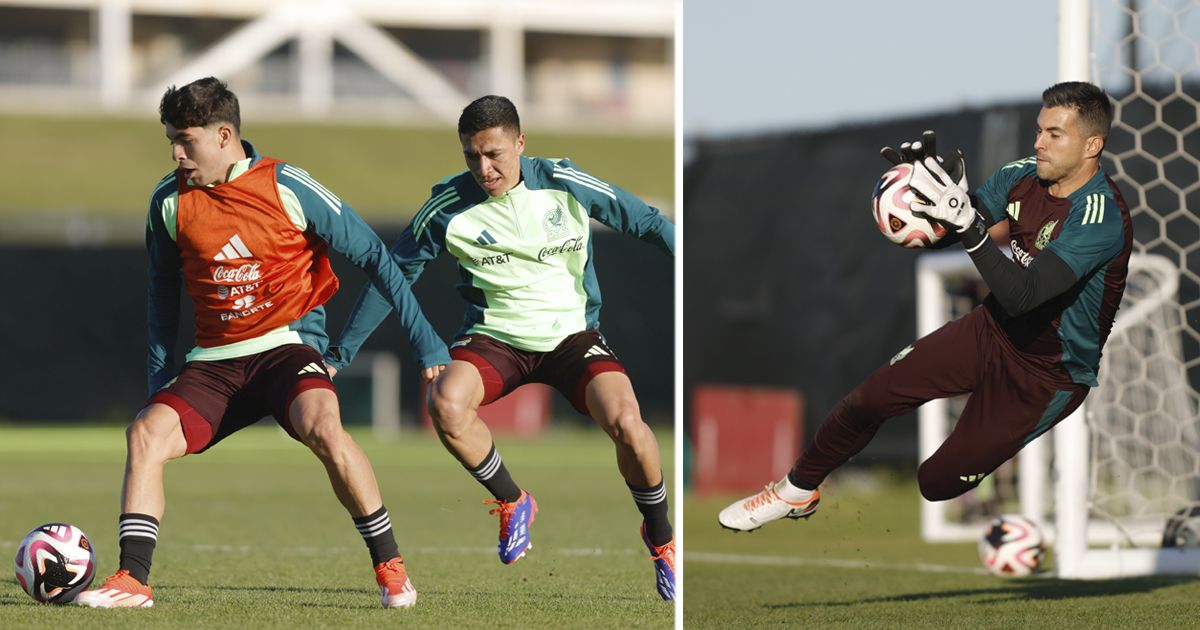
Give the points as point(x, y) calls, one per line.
point(525, 257)
point(1089, 230)
point(312, 209)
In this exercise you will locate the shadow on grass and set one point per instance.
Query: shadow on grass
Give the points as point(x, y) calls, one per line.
point(274, 589)
point(1018, 590)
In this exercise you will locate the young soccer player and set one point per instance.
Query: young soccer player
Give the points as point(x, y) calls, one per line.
point(246, 236)
point(1028, 355)
point(519, 228)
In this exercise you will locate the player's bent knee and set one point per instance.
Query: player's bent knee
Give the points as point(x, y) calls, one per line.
point(153, 434)
point(937, 486)
point(450, 413)
point(325, 435)
point(627, 427)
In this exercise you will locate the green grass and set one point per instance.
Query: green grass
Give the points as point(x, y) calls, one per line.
point(859, 562)
point(254, 538)
point(108, 166)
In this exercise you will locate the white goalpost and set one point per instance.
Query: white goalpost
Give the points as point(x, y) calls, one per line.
point(1129, 458)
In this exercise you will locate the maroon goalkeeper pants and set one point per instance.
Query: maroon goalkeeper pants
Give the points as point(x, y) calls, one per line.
point(1013, 399)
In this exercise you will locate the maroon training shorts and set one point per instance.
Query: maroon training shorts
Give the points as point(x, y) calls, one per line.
point(568, 368)
point(215, 399)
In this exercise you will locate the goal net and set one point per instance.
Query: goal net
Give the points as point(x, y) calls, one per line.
point(1130, 458)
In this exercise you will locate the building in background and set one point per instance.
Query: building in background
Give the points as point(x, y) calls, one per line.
point(597, 63)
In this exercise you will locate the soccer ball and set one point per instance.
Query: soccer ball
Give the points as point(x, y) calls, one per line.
point(55, 563)
point(890, 204)
point(1012, 546)
point(1183, 528)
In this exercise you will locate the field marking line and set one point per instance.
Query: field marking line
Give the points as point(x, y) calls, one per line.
point(794, 561)
point(315, 550)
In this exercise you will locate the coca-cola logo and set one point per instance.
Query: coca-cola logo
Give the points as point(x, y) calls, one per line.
point(236, 275)
point(569, 245)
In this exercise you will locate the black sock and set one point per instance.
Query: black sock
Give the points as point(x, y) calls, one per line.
point(376, 530)
point(138, 534)
point(494, 476)
point(652, 503)
point(796, 482)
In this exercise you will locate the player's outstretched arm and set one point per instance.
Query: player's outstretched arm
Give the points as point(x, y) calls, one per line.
point(345, 231)
point(615, 207)
point(410, 254)
point(1018, 290)
point(365, 249)
point(162, 299)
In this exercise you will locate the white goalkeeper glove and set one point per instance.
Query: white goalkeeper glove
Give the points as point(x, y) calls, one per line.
point(913, 152)
point(940, 197)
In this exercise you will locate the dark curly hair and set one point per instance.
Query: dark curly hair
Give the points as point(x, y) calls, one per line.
point(199, 104)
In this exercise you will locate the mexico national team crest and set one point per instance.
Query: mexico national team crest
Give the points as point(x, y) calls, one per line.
point(555, 224)
point(1043, 236)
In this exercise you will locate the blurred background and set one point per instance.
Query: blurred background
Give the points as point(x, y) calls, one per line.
point(792, 297)
point(364, 96)
point(783, 127)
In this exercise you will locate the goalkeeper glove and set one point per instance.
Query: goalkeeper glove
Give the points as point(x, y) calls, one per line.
point(941, 197)
point(913, 152)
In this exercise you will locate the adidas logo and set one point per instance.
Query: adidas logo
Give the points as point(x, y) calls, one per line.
point(485, 239)
point(312, 368)
point(234, 248)
point(972, 478)
point(597, 351)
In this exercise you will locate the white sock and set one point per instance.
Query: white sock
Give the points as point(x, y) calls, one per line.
point(791, 493)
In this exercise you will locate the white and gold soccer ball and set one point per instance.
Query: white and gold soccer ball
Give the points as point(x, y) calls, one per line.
point(1012, 546)
point(55, 563)
point(890, 204)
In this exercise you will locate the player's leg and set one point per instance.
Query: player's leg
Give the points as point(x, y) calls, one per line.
point(476, 376)
point(306, 405)
point(611, 402)
point(168, 427)
point(1012, 406)
point(589, 374)
point(454, 400)
point(943, 363)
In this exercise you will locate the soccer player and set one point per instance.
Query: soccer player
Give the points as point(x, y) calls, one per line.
point(519, 228)
point(247, 235)
point(1028, 355)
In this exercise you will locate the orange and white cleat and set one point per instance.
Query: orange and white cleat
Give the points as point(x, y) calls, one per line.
point(120, 590)
point(757, 510)
point(395, 589)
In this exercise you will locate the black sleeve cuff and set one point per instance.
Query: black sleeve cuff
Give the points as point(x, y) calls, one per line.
point(975, 235)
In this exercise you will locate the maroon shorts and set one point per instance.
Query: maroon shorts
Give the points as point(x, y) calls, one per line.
point(568, 368)
point(215, 399)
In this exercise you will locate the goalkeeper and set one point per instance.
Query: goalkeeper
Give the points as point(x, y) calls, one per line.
point(1029, 354)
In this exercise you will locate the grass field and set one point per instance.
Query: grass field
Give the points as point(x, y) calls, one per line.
point(254, 538)
point(859, 563)
point(112, 164)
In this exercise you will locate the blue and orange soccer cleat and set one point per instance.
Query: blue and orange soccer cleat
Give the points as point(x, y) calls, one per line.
point(515, 519)
point(664, 565)
point(395, 589)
